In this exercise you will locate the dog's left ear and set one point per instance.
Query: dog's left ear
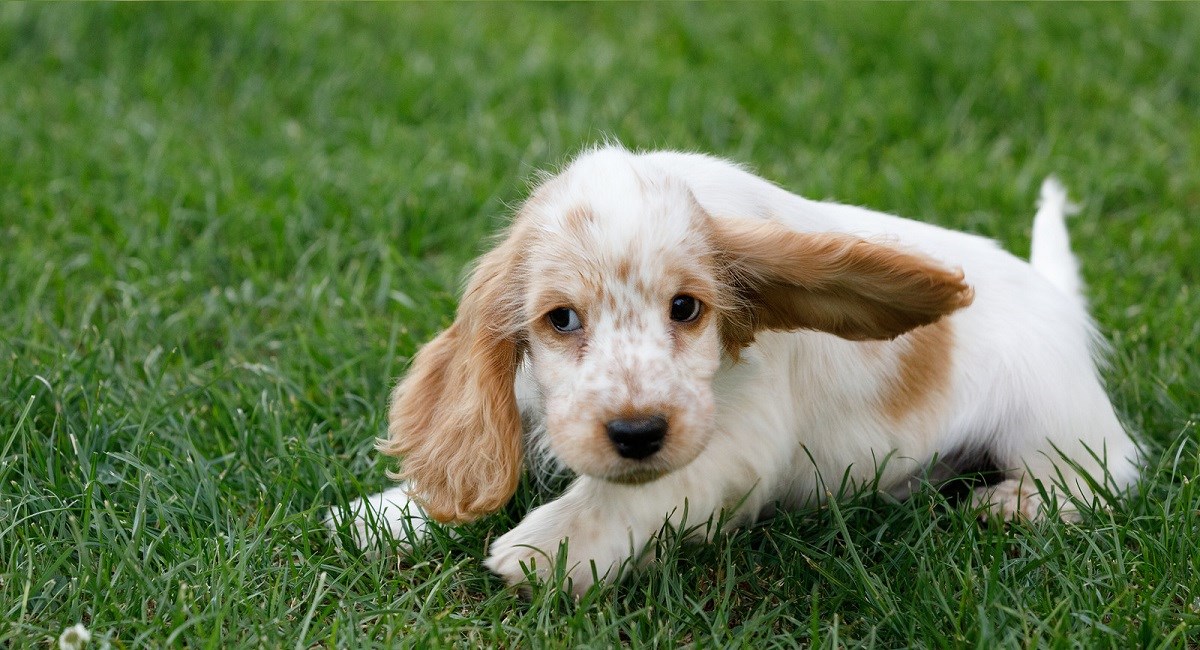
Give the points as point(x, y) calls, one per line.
point(784, 280)
point(454, 418)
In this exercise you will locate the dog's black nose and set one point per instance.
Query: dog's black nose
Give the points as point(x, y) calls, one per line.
point(637, 437)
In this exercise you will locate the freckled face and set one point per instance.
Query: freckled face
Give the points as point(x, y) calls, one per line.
point(624, 340)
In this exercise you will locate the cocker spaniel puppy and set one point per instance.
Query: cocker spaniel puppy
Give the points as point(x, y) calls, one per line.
point(687, 337)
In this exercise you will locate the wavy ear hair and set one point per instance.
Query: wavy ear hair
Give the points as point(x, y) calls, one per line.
point(454, 417)
point(782, 279)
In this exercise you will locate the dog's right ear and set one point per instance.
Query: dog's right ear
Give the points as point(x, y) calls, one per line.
point(454, 418)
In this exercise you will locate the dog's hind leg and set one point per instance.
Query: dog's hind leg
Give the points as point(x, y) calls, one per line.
point(1059, 454)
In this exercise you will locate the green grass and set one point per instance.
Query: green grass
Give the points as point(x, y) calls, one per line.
point(225, 229)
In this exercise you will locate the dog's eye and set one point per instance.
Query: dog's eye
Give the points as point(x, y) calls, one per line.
point(563, 319)
point(684, 309)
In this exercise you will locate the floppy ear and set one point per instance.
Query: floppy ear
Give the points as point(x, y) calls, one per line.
point(784, 279)
point(454, 417)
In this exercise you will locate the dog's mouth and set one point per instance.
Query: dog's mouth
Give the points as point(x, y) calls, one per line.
point(638, 472)
point(625, 471)
point(637, 477)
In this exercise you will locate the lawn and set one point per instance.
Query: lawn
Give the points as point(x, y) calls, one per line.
point(224, 230)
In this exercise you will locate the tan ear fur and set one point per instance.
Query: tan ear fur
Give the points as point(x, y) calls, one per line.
point(454, 417)
point(829, 282)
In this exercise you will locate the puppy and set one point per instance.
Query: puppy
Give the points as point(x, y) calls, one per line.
point(690, 339)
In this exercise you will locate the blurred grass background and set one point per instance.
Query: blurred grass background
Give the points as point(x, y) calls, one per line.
point(224, 229)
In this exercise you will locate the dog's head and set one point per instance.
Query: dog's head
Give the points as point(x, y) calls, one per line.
point(624, 294)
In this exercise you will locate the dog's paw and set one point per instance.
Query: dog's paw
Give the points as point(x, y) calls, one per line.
point(1017, 500)
point(576, 557)
point(381, 522)
point(510, 560)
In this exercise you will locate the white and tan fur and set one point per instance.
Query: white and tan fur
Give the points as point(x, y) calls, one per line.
point(832, 341)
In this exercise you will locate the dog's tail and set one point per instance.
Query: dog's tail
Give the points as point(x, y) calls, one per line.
point(1051, 249)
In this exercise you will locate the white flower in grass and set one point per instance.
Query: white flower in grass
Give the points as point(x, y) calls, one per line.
point(74, 637)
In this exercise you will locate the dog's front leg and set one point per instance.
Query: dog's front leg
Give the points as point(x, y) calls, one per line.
point(373, 522)
point(604, 528)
